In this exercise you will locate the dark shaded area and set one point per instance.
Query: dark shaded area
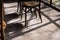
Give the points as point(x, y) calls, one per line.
point(11, 16)
point(14, 27)
point(10, 1)
point(0, 11)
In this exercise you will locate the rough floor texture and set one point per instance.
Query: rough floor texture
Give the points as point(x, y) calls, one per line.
point(49, 29)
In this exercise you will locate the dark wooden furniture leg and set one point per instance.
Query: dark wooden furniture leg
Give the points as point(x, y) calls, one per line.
point(39, 11)
point(35, 12)
point(25, 17)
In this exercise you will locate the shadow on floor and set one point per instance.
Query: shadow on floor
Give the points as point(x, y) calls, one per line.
point(17, 28)
point(11, 16)
point(13, 27)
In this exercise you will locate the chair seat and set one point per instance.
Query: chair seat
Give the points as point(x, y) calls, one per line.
point(30, 3)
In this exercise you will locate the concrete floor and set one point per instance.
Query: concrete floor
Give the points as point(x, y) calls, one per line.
point(49, 29)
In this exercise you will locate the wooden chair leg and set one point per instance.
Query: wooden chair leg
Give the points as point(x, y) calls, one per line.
point(25, 17)
point(31, 12)
point(39, 11)
point(35, 12)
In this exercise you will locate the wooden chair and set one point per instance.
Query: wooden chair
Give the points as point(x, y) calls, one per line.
point(29, 5)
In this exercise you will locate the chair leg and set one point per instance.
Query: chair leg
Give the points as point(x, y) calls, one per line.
point(31, 12)
point(25, 17)
point(39, 11)
point(35, 12)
